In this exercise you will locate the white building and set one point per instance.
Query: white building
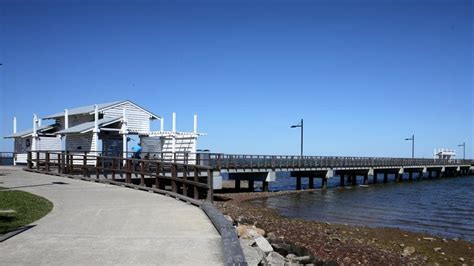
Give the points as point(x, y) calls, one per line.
point(104, 128)
point(445, 154)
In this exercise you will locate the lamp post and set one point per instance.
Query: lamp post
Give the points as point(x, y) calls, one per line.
point(300, 125)
point(412, 145)
point(463, 145)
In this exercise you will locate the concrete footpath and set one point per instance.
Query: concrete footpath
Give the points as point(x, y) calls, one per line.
point(96, 224)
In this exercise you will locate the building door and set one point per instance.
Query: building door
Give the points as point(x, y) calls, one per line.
point(112, 146)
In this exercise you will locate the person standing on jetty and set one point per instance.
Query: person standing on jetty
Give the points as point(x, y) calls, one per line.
point(137, 150)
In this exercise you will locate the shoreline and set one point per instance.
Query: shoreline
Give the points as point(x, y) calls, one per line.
point(343, 243)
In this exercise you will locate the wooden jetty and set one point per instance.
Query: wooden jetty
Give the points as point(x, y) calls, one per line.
point(264, 168)
point(194, 177)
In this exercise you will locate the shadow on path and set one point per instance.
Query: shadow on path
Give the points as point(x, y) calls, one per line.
point(15, 232)
point(39, 185)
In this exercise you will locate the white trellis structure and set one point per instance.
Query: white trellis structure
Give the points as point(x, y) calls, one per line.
point(172, 144)
point(446, 154)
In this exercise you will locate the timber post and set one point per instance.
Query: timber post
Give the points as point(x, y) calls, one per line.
point(174, 175)
point(210, 192)
point(58, 162)
point(157, 175)
point(62, 164)
point(97, 164)
point(67, 170)
point(29, 162)
point(237, 184)
point(142, 173)
point(84, 164)
point(71, 163)
point(251, 185)
point(196, 179)
point(128, 171)
point(113, 169)
point(324, 182)
point(341, 183)
point(198, 159)
point(185, 177)
point(46, 163)
point(298, 183)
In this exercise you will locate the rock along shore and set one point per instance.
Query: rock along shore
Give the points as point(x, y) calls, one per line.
point(273, 239)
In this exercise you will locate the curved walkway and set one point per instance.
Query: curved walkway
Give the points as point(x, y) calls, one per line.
point(96, 224)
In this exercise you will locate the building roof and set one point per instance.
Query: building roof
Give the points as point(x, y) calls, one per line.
point(89, 126)
point(28, 132)
point(89, 109)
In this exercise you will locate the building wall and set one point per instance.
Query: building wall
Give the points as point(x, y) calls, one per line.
point(138, 120)
point(20, 145)
point(48, 144)
point(23, 145)
point(85, 141)
point(150, 144)
point(75, 120)
point(21, 158)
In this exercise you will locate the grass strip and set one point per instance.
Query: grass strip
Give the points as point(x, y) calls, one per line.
point(26, 208)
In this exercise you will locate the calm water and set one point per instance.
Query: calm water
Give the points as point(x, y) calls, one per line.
point(443, 207)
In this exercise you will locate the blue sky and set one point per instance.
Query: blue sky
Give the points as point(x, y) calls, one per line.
point(364, 75)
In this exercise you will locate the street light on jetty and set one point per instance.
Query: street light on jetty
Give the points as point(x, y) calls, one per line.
point(412, 145)
point(463, 145)
point(300, 125)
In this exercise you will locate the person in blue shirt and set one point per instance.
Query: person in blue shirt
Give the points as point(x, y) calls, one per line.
point(137, 150)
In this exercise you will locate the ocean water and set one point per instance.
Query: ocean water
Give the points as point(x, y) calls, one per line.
point(443, 207)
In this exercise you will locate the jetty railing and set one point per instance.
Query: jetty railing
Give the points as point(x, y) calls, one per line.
point(221, 161)
point(237, 161)
point(6, 158)
point(189, 182)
